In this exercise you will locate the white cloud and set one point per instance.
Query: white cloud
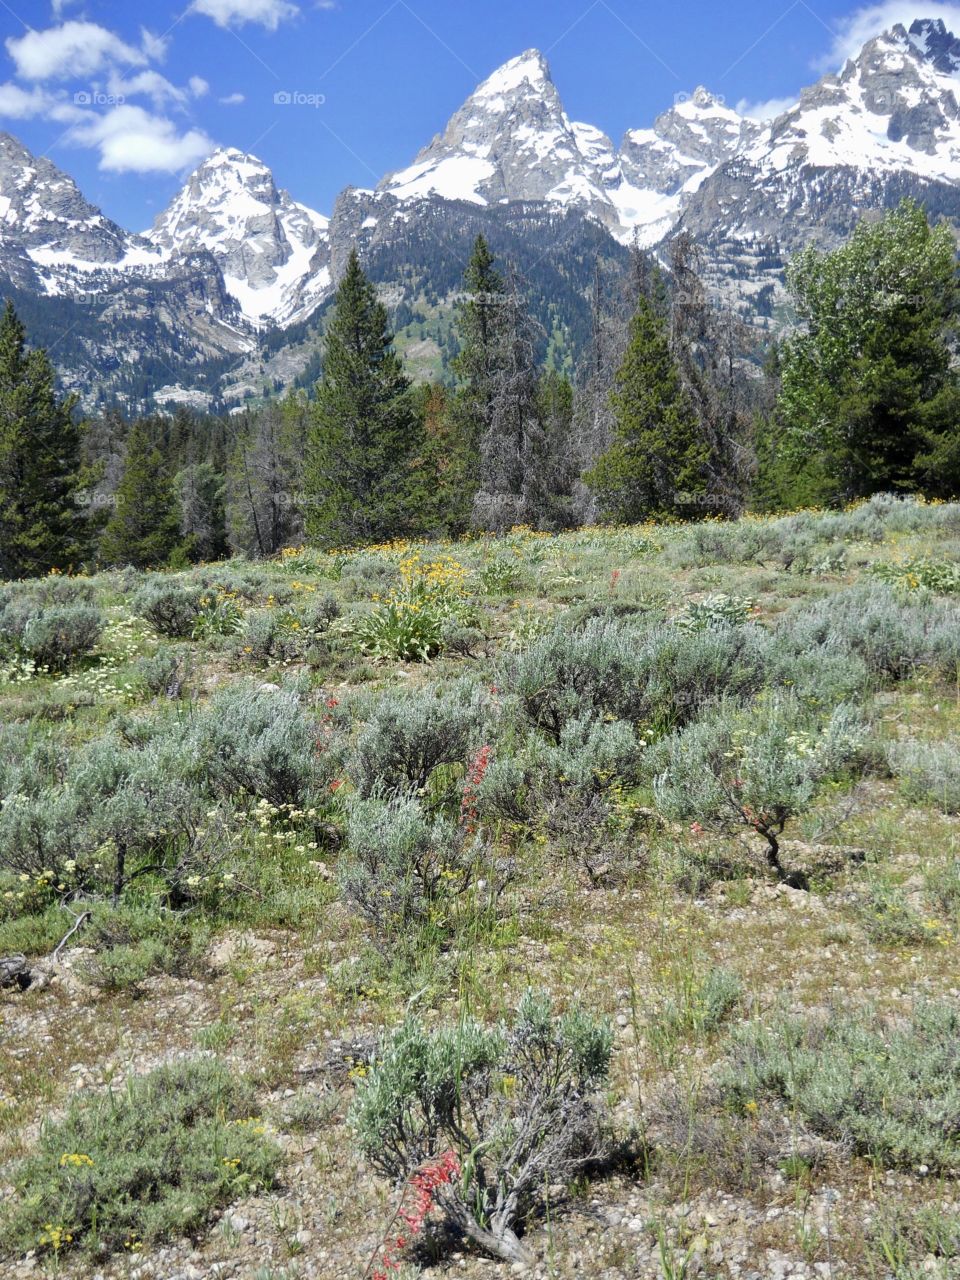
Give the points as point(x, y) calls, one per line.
point(768, 110)
point(199, 87)
point(233, 100)
point(58, 6)
point(17, 103)
point(72, 49)
point(131, 140)
point(155, 47)
point(229, 13)
point(147, 84)
point(854, 31)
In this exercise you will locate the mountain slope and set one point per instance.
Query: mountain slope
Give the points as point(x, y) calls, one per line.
point(273, 252)
point(202, 303)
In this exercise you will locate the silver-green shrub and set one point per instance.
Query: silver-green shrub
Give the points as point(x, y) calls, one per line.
point(754, 768)
point(887, 1091)
point(518, 1106)
point(405, 871)
point(929, 772)
point(170, 607)
point(409, 736)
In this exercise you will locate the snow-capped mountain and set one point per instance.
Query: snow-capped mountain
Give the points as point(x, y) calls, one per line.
point(51, 238)
point(273, 252)
point(233, 255)
point(886, 127)
point(513, 141)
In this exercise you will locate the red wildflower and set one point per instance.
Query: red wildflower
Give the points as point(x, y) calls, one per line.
point(476, 772)
point(424, 1184)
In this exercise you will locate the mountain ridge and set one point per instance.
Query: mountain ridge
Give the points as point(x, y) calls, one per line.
point(233, 255)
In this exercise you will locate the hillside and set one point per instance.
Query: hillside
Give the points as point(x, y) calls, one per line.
point(703, 780)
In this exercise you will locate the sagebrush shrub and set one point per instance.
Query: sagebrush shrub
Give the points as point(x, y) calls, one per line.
point(408, 737)
point(54, 637)
point(164, 673)
point(683, 672)
point(170, 607)
point(263, 742)
point(566, 675)
point(517, 1104)
point(405, 871)
point(871, 622)
point(929, 772)
point(152, 1160)
point(754, 768)
point(890, 1092)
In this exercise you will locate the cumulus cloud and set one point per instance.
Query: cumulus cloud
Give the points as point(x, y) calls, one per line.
point(198, 87)
point(853, 32)
point(233, 100)
point(70, 50)
point(132, 140)
point(148, 84)
point(768, 110)
point(236, 13)
point(17, 103)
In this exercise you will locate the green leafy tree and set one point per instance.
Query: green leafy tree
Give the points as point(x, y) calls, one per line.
point(144, 529)
point(365, 428)
point(657, 459)
point(868, 387)
point(42, 521)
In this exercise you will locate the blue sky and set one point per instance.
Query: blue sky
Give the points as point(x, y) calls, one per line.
point(127, 95)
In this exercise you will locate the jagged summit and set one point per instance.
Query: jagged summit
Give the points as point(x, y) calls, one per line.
point(529, 69)
point(273, 252)
point(234, 252)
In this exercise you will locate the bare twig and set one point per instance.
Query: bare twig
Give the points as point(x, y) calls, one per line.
point(78, 923)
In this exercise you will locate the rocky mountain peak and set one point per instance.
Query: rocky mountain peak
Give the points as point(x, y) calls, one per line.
point(43, 209)
point(271, 250)
point(511, 140)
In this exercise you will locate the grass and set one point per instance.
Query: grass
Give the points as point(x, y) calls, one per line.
point(675, 935)
point(141, 1163)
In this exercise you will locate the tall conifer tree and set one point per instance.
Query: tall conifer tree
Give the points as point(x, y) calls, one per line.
point(657, 459)
point(42, 521)
point(144, 529)
point(364, 430)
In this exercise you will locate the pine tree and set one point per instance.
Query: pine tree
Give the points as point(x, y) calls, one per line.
point(514, 461)
point(364, 430)
point(144, 529)
point(655, 465)
point(481, 327)
point(709, 345)
point(42, 522)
